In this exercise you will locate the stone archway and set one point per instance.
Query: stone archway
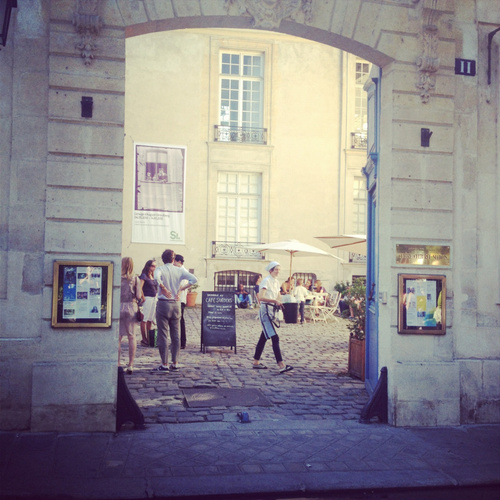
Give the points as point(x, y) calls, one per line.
point(80, 52)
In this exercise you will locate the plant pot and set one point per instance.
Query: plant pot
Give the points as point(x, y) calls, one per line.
point(356, 360)
point(191, 299)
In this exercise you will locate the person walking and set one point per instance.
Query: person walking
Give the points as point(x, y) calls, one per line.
point(130, 296)
point(179, 262)
point(269, 295)
point(168, 309)
point(149, 289)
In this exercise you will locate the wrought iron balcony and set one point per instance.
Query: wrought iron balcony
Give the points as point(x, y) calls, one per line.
point(234, 250)
point(240, 134)
point(359, 140)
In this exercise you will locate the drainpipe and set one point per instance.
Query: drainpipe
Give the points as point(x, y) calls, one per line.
point(490, 40)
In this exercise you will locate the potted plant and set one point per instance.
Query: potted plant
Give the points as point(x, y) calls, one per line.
point(191, 295)
point(356, 298)
point(342, 288)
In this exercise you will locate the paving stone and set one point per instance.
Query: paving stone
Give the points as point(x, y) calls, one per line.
point(318, 388)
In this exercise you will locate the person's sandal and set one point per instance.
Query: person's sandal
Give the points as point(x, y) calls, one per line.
point(287, 368)
point(259, 367)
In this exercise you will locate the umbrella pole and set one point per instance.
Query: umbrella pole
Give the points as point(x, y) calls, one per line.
point(290, 277)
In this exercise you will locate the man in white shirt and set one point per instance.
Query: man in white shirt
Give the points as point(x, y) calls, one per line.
point(179, 262)
point(168, 309)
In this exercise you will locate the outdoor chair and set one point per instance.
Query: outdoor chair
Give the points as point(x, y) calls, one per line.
point(329, 311)
point(317, 307)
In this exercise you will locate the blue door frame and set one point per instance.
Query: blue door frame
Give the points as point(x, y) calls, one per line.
point(372, 262)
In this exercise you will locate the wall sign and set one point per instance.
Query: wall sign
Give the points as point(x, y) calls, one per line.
point(81, 294)
point(465, 67)
point(423, 255)
point(160, 185)
point(422, 304)
point(218, 320)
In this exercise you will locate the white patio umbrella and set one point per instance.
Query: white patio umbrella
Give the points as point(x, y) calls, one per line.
point(292, 247)
point(351, 242)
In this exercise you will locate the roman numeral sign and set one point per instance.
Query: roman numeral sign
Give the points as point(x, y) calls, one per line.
point(465, 67)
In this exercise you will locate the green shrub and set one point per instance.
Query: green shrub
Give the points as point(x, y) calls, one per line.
point(341, 287)
point(356, 298)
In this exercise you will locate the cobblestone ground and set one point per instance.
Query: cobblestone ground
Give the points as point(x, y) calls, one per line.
point(318, 388)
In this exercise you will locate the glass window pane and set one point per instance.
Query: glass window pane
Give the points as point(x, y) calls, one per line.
point(239, 214)
point(245, 91)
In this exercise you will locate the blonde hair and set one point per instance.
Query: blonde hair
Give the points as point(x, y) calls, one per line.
point(300, 281)
point(127, 267)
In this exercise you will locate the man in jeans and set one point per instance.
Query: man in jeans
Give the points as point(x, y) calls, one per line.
point(168, 307)
point(179, 262)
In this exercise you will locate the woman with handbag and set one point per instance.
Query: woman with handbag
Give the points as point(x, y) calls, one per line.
point(130, 295)
point(149, 289)
point(269, 295)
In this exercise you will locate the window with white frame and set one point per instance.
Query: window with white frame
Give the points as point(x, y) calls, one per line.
point(359, 206)
point(241, 95)
point(360, 103)
point(238, 207)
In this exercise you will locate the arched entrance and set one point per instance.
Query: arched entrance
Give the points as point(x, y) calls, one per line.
point(149, 28)
point(79, 212)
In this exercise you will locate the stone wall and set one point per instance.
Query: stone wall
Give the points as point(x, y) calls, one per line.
point(61, 188)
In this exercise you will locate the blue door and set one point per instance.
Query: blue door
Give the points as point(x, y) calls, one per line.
point(372, 261)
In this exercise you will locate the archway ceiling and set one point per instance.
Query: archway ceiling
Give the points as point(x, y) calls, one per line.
point(379, 31)
point(286, 27)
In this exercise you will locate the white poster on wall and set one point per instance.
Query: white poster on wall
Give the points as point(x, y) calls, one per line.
point(420, 301)
point(159, 193)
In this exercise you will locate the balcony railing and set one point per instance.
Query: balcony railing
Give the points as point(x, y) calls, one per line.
point(234, 250)
point(240, 134)
point(359, 140)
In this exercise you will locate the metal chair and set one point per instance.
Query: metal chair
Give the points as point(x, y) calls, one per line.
point(318, 306)
point(328, 312)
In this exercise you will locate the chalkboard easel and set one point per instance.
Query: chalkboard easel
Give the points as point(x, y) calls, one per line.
point(218, 320)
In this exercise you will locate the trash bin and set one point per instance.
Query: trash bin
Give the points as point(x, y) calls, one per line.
point(290, 312)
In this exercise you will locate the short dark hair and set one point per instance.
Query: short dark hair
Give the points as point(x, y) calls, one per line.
point(179, 258)
point(168, 256)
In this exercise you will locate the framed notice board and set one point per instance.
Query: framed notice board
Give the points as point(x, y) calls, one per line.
point(422, 304)
point(81, 294)
point(218, 320)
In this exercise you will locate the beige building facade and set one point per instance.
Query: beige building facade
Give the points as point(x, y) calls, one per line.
point(66, 180)
point(294, 177)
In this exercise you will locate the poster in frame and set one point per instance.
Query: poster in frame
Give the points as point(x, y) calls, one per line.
point(159, 194)
point(421, 304)
point(81, 294)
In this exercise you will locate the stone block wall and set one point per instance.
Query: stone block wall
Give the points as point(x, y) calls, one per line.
point(61, 181)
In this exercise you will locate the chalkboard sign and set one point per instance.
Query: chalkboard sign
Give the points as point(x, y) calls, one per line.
point(218, 320)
